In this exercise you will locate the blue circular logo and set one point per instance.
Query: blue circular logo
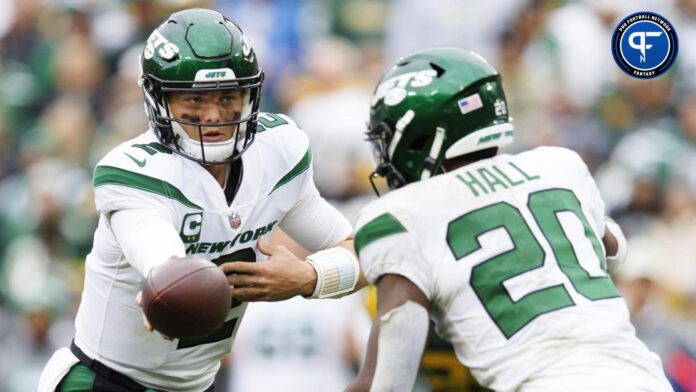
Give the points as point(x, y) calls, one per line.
point(644, 45)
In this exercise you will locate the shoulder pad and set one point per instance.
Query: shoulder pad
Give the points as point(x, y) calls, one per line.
point(382, 206)
point(282, 131)
point(143, 155)
point(284, 147)
point(559, 153)
point(375, 222)
point(139, 173)
point(561, 158)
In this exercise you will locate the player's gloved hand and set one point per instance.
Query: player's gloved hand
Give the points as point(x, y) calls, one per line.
point(280, 277)
point(146, 322)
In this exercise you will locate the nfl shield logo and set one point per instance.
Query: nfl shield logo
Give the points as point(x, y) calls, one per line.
point(235, 220)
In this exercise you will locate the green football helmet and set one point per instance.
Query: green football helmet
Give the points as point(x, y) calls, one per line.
point(433, 105)
point(200, 50)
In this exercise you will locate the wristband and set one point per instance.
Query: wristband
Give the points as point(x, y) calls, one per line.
point(338, 271)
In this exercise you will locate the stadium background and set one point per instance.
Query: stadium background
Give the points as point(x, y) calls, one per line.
point(68, 93)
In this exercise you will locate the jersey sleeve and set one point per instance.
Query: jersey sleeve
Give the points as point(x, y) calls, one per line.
point(146, 237)
point(575, 171)
point(116, 190)
point(310, 219)
point(385, 246)
point(120, 183)
point(589, 193)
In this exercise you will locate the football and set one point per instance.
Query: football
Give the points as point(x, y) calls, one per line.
point(186, 297)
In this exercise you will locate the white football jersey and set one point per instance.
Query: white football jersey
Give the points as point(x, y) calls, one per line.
point(141, 173)
point(508, 251)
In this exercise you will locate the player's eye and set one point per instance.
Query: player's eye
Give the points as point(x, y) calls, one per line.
point(229, 98)
point(193, 99)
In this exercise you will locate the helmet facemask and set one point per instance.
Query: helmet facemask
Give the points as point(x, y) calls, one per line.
point(171, 130)
point(383, 140)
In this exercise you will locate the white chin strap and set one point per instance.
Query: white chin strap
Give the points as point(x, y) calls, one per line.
point(214, 151)
point(399, 131)
point(434, 150)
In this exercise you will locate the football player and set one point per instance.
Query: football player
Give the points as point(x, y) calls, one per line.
point(210, 178)
point(507, 254)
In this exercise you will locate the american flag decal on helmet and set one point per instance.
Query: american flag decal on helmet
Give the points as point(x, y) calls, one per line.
point(470, 103)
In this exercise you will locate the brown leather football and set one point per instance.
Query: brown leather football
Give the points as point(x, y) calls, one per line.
point(186, 297)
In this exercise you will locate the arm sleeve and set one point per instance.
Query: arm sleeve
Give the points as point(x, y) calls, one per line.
point(313, 222)
point(147, 237)
point(402, 335)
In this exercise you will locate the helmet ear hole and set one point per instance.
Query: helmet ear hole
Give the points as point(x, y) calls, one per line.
point(150, 86)
point(418, 144)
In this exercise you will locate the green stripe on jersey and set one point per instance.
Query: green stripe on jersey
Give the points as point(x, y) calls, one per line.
point(300, 168)
point(380, 227)
point(105, 175)
point(79, 379)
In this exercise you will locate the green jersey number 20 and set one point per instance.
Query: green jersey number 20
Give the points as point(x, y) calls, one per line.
point(527, 254)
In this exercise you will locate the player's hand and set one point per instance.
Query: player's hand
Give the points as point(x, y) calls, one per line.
point(280, 277)
point(146, 322)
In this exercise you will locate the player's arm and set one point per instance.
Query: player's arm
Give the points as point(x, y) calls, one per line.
point(394, 260)
point(147, 238)
point(400, 330)
point(329, 273)
point(331, 270)
point(326, 233)
point(615, 245)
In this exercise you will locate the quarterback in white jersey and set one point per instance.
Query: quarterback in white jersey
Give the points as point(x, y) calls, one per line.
point(209, 178)
point(507, 254)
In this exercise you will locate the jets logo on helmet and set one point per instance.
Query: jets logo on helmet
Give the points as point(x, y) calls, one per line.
point(220, 74)
point(165, 49)
point(394, 90)
point(432, 105)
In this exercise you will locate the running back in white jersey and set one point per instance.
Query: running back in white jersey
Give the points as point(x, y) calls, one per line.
point(508, 251)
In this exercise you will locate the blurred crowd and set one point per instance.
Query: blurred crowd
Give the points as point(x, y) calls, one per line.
point(69, 93)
